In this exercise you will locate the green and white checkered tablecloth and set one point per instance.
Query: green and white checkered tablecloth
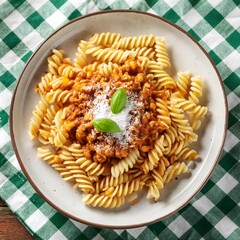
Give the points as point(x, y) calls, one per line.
point(214, 213)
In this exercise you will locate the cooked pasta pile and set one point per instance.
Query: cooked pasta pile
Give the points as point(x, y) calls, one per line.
point(157, 124)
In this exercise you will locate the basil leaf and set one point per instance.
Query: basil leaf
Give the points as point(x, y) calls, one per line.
point(106, 125)
point(118, 100)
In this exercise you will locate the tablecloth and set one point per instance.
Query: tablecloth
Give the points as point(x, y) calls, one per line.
point(214, 212)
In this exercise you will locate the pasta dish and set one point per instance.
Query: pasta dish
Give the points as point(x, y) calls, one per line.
point(113, 122)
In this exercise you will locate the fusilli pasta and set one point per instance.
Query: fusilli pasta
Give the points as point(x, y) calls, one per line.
point(157, 123)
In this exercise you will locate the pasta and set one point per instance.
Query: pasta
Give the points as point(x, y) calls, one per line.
point(155, 126)
point(134, 42)
point(124, 164)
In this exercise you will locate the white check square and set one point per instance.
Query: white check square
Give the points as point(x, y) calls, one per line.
point(4, 137)
point(232, 60)
point(232, 100)
point(3, 179)
point(172, 3)
point(37, 4)
point(9, 59)
point(227, 183)
point(213, 38)
point(32, 40)
point(192, 18)
point(58, 236)
point(231, 141)
point(225, 226)
point(233, 18)
point(215, 2)
point(17, 200)
point(14, 20)
point(179, 226)
point(5, 97)
point(36, 220)
point(56, 19)
point(13, 160)
point(203, 205)
point(75, 3)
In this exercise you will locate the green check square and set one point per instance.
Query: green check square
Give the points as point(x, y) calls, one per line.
point(214, 57)
point(82, 236)
point(232, 81)
point(27, 56)
point(17, 3)
point(3, 160)
point(151, 3)
point(227, 162)
point(231, 120)
point(234, 39)
point(203, 226)
point(214, 18)
point(11, 40)
point(18, 180)
point(74, 14)
point(36, 200)
point(194, 34)
point(207, 187)
point(7, 79)
point(194, 2)
point(171, 15)
point(35, 19)
point(58, 220)
point(226, 204)
point(57, 3)
point(3, 118)
point(157, 228)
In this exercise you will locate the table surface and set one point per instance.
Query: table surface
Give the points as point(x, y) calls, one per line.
point(10, 226)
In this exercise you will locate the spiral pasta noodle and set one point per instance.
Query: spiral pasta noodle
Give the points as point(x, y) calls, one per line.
point(103, 201)
point(37, 118)
point(157, 124)
point(161, 52)
point(112, 55)
point(105, 39)
point(134, 42)
point(124, 164)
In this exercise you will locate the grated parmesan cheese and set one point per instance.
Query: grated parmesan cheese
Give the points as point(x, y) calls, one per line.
point(102, 109)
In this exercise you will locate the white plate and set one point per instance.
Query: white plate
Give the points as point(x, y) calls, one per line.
point(185, 54)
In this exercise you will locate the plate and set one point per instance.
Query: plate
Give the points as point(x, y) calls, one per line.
point(185, 53)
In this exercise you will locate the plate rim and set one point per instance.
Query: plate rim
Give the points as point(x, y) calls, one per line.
point(35, 187)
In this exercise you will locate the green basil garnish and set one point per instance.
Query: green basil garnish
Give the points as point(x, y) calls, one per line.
point(118, 100)
point(106, 125)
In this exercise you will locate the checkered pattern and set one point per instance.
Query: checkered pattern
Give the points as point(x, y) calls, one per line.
point(214, 212)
